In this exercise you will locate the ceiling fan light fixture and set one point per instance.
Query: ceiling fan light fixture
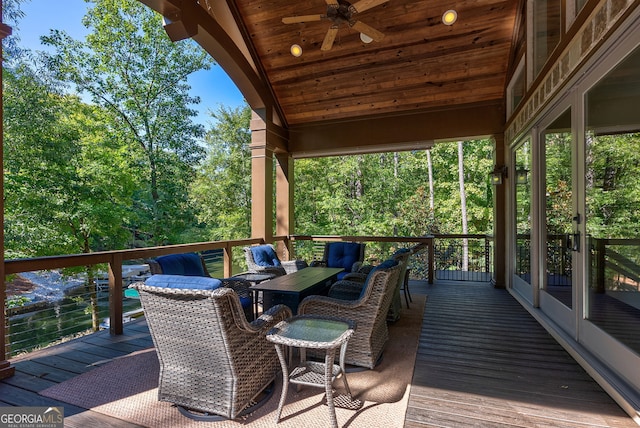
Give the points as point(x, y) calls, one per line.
point(296, 50)
point(365, 38)
point(341, 12)
point(449, 17)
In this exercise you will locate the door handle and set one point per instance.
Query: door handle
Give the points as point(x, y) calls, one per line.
point(573, 241)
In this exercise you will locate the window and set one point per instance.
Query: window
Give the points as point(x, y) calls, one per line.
point(516, 88)
point(546, 27)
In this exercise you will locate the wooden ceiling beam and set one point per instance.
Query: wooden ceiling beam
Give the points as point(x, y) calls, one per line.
point(388, 133)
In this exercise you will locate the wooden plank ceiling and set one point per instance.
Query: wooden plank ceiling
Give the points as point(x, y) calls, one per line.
point(420, 64)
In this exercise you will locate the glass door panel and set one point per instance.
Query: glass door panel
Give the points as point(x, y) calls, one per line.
point(523, 214)
point(560, 241)
point(612, 187)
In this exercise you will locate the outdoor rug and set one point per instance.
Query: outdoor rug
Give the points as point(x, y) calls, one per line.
point(127, 389)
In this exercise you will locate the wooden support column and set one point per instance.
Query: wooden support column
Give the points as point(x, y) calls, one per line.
point(261, 180)
point(6, 370)
point(284, 202)
point(500, 217)
point(115, 295)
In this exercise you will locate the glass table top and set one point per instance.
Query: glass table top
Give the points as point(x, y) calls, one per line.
point(312, 329)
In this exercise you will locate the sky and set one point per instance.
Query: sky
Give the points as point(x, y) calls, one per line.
point(212, 86)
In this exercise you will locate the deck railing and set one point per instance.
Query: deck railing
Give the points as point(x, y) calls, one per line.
point(45, 324)
point(464, 257)
point(615, 265)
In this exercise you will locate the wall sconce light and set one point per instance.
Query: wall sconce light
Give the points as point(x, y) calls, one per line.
point(365, 38)
point(498, 174)
point(296, 50)
point(449, 17)
point(522, 176)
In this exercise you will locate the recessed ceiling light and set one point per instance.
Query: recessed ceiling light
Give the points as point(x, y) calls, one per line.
point(449, 17)
point(296, 50)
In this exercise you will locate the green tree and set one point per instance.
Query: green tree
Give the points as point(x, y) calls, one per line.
point(222, 190)
point(11, 15)
point(385, 194)
point(67, 183)
point(128, 65)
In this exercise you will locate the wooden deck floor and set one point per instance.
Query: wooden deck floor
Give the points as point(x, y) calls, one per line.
point(482, 361)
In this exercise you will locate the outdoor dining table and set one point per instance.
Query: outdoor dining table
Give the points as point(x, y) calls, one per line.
point(291, 288)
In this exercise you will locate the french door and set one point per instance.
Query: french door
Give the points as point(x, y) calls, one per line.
point(560, 238)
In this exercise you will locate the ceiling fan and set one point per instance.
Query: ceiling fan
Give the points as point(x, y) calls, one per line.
point(339, 12)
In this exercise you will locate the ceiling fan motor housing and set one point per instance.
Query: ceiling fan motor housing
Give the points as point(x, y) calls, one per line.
point(340, 12)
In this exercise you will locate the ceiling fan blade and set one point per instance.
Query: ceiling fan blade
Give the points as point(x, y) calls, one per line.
point(368, 30)
point(363, 5)
point(329, 38)
point(303, 18)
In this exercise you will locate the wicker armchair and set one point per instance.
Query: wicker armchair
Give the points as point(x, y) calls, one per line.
point(189, 264)
point(369, 312)
point(350, 286)
point(346, 255)
point(212, 361)
point(263, 259)
point(192, 264)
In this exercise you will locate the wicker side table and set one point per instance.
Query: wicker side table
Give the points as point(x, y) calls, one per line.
point(316, 332)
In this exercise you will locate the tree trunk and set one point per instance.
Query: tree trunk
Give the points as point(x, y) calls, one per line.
point(463, 208)
point(396, 164)
point(430, 169)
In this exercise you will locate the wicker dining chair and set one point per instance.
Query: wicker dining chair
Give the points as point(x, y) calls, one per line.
point(193, 264)
point(369, 312)
point(346, 255)
point(212, 360)
point(350, 287)
point(263, 259)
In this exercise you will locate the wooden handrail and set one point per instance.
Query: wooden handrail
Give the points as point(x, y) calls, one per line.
point(114, 261)
point(71, 260)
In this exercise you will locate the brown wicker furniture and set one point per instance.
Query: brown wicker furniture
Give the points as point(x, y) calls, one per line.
point(369, 312)
point(349, 288)
point(212, 360)
point(292, 288)
point(314, 332)
point(193, 264)
point(263, 259)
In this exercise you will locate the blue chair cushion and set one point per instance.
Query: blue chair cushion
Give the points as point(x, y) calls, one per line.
point(343, 254)
point(192, 283)
point(264, 255)
point(181, 281)
point(189, 264)
point(389, 263)
point(246, 302)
